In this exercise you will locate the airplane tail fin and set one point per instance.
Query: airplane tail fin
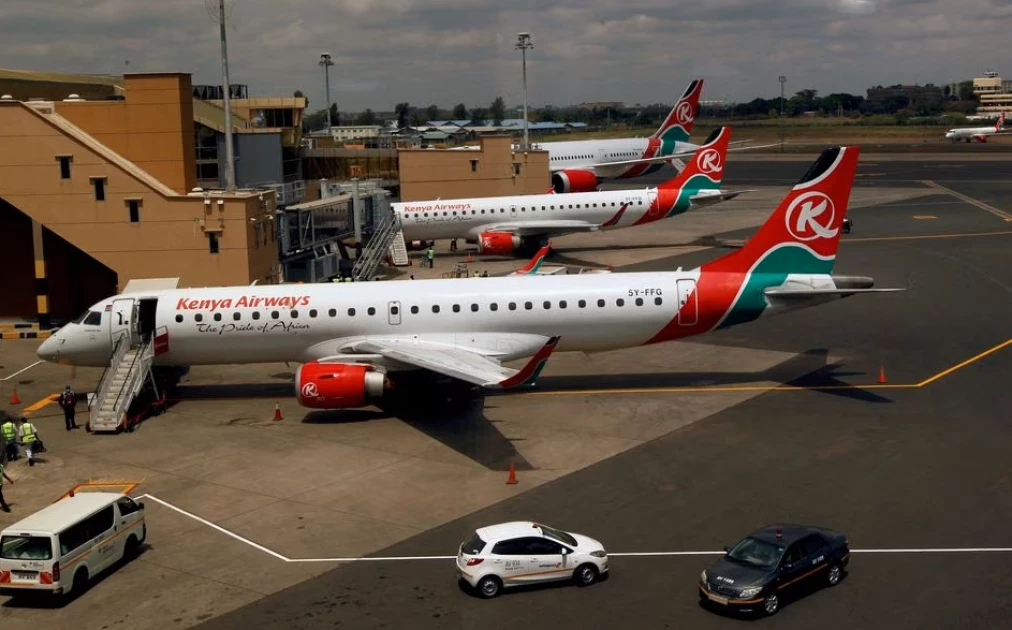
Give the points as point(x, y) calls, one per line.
point(678, 124)
point(803, 233)
point(705, 170)
point(1001, 122)
point(532, 267)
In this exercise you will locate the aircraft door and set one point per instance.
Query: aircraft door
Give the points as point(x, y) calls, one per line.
point(394, 313)
point(688, 302)
point(121, 319)
point(513, 212)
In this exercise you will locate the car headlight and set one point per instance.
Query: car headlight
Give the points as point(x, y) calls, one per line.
point(600, 553)
point(750, 592)
point(702, 576)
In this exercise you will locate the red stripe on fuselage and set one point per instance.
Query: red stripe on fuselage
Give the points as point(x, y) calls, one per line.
point(653, 147)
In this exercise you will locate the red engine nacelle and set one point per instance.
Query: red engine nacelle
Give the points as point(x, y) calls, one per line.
point(574, 181)
point(337, 385)
point(498, 243)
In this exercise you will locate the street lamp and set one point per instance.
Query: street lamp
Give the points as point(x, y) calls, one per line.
point(524, 43)
point(326, 62)
point(782, 80)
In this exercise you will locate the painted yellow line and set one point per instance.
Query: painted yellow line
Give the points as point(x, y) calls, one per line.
point(973, 359)
point(925, 216)
point(871, 239)
point(775, 388)
point(970, 200)
point(35, 406)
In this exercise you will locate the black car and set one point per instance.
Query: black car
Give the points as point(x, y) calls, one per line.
point(759, 571)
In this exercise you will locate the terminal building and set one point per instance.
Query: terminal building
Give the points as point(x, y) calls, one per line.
point(104, 180)
point(994, 94)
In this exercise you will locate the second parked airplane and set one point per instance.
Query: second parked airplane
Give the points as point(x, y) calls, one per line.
point(501, 225)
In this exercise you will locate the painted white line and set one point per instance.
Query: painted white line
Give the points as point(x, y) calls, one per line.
point(635, 554)
point(6, 378)
point(213, 526)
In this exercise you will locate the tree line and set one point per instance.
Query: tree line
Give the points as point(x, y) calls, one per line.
point(896, 101)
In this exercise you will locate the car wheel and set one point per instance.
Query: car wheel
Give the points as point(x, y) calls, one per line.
point(585, 574)
point(80, 584)
point(132, 548)
point(834, 574)
point(489, 586)
point(771, 604)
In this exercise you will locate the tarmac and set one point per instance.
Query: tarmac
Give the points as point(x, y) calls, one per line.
point(680, 447)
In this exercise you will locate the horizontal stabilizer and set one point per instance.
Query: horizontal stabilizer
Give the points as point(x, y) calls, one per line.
point(816, 292)
point(715, 196)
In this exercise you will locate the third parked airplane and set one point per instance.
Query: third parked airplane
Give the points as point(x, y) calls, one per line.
point(980, 134)
point(501, 225)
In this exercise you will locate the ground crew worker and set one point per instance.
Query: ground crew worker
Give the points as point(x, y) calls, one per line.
point(484, 274)
point(430, 254)
point(453, 244)
point(476, 274)
point(3, 475)
point(9, 433)
point(29, 437)
point(68, 402)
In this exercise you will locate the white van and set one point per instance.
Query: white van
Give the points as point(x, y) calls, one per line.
point(62, 547)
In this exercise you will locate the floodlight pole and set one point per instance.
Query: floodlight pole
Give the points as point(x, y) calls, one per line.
point(524, 43)
point(229, 152)
point(326, 62)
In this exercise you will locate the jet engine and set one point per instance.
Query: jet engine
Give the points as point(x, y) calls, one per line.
point(498, 243)
point(574, 181)
point(338, 385)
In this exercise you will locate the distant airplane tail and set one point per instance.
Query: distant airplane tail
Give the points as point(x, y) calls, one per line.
point(678, 124)
point(1000, 126)
point(803, 233)
point(705, 170)
point(532, 267)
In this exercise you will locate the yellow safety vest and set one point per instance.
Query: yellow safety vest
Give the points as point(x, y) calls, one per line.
point(27, 433)
point(8, 431)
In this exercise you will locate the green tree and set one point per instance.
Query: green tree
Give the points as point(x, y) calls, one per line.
point(479, 115)
point(432, 112)
point(315, 121)
point(299, 94)
point(403, 111)
point(497, 110)
point(965, 91)
point(459, 112)
point(368, 117)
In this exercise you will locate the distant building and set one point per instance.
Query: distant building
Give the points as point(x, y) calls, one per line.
point(994, 94)
point(343, 133)
point(602, 105)
point(918, 95)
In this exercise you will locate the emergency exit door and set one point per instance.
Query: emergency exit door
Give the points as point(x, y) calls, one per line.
point(688, 303)
point(394, 313)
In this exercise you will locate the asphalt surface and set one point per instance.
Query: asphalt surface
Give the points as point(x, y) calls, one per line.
point(892, 468)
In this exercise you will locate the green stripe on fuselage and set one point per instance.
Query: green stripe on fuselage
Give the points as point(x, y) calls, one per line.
point(771, 272)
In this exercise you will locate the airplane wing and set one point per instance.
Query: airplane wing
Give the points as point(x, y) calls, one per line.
point(461, 363)
point(708, 197)
point(561, 226)
point(667, 158)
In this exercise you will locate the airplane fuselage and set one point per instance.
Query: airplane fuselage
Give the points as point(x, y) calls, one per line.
point(588, 154)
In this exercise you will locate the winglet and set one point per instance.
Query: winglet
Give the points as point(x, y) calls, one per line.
point(532, 267)
point(529, 373)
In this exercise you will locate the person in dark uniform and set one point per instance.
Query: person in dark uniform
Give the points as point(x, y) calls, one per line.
point(3, 475)
point(67, 402)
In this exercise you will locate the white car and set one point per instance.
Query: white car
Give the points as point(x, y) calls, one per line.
point(522, 552)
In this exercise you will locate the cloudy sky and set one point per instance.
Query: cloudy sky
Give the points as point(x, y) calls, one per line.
point(450, 51)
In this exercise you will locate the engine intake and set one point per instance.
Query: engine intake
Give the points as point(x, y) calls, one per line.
point(498, 243)
point(574, 181)
point(338, 385)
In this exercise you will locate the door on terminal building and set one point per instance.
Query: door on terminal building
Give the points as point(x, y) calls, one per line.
point(122, 320)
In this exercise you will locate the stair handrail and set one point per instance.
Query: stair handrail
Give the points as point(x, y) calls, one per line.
point(133, 374)
point(377, 248)
point(118, 351)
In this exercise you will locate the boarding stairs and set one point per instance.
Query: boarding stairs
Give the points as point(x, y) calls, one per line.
point(377, 248)
point(399, 250)
point(122, 381)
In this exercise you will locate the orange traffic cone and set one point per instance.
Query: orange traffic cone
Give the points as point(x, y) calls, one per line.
point(277, 412)
point(14, 397)
point(513, 475)
point(469, 259)
point(882, 375)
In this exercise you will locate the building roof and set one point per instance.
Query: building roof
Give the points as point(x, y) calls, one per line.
point(64, 512)
point(60, 77)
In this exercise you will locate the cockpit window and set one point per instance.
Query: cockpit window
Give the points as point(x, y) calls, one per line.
point(94, 318)
point(80, 318)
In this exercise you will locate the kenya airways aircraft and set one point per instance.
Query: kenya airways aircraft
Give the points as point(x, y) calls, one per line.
point(501, 225)
point(980, 134)
point(356, 341)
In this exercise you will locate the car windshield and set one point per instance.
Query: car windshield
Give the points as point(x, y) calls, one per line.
point(26, 548)
point(473, 546)
point(557, 534)
point(756, 553)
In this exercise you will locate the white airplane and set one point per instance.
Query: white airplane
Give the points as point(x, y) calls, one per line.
point(980, 134)
point(501, 225)
point(356, 341)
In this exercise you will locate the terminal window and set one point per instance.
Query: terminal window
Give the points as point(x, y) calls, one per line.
point(212, 243)
point(99, 184)
point(134, 206)
point(65, 161)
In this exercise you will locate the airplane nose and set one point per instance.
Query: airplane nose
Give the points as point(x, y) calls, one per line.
point(49, 350)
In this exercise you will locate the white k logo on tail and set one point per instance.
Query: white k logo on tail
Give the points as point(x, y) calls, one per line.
point(709, 161)
point(684, 113)
point(810, 216)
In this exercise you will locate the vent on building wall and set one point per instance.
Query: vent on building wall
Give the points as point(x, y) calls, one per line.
point(73, 98)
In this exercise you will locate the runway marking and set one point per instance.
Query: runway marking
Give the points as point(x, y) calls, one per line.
point(918, 237)
point(7, 378)
point(775, 388)
point(35, 406)
point(970, 200)
point(632, 554)
point(925, 216)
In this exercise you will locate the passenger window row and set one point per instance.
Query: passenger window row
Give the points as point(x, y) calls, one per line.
point(570, 206)
point(494, 306)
